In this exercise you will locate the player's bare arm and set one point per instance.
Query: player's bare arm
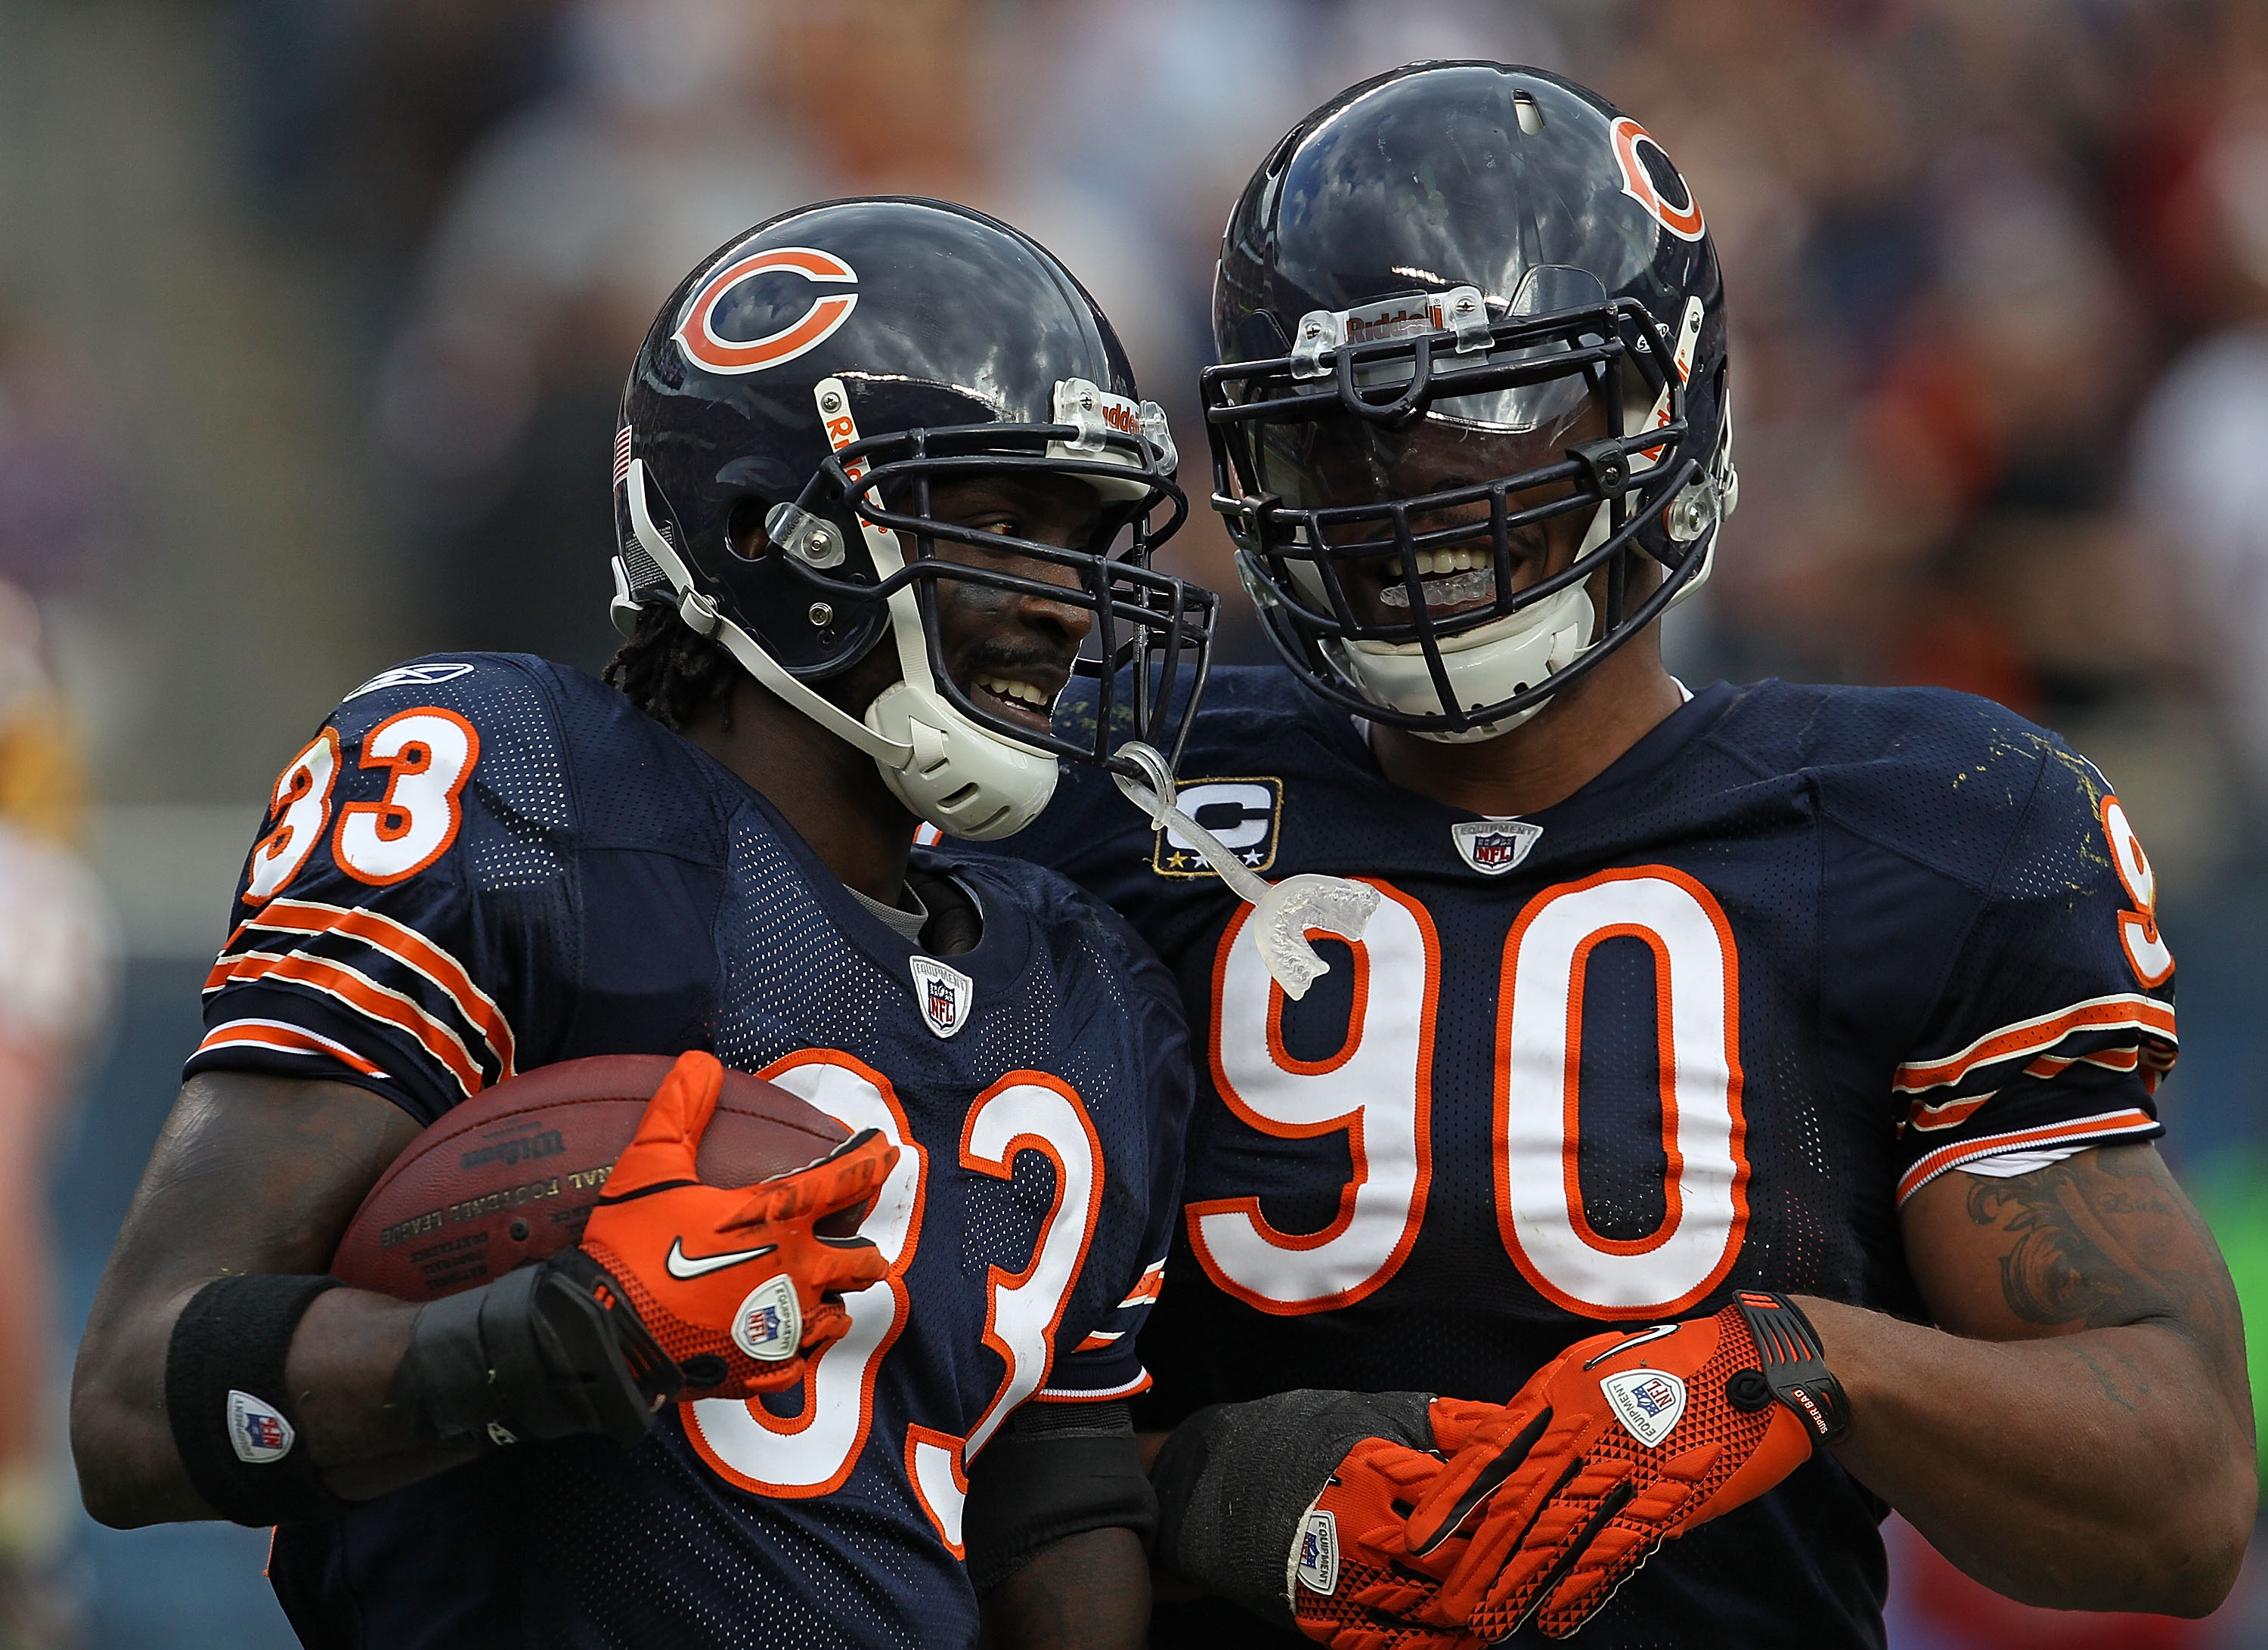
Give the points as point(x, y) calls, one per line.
point(2077, 1432)
point(383, 1392)
point(252, 1174)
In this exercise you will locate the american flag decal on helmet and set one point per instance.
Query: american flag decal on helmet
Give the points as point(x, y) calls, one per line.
point(621, 455)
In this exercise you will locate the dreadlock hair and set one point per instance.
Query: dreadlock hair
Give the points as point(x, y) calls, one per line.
point(671, 671)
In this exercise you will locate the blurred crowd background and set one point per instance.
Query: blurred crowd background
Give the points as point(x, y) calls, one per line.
point(314, 313)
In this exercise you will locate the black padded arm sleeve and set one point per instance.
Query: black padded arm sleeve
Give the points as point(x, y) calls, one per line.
point(1235, 1480)
point(1056, 1470)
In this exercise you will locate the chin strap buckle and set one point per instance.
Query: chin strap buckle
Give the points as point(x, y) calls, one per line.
point(699, 613)
point(622, 609)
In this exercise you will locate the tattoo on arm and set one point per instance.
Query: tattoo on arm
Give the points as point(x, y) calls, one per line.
point(2106, 1239)
point(2067, 1265)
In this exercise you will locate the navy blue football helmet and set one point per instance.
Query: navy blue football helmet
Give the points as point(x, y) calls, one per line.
point(1458, 303)
point(796, 400)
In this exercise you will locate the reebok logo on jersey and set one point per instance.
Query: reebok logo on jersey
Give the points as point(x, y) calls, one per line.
point(1648, 1402)
point(257, 1431)
point(1494, 846)
point(769, 1326)
point(1317, 1564)
point(1242, 813)
point(685, 1267)
point(945, 994)
point(412, 676)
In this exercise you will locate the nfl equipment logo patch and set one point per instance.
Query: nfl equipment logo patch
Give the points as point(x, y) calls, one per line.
point(1494, 846)
point(1648, 1402)
point(1242, 814)
point(945, 994)
point(769, 1326)
point(258, 1432)
point(1318, 1563)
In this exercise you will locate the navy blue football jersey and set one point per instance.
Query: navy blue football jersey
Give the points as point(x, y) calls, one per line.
point(488, 864)
point(1701, 1027)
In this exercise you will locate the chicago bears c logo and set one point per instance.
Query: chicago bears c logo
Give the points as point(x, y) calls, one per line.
point(697, 334)
point(1654, 183)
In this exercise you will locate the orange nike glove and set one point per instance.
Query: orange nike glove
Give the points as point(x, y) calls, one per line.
point(1354, 1584)
point(1623, 1442)
point(733, 1284)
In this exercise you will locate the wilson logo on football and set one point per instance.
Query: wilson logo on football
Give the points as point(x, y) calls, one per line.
point(1649, 178)
point(698, 336)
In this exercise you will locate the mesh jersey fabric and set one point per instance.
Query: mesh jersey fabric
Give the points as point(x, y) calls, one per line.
point(605, 886)
point(1826, 941)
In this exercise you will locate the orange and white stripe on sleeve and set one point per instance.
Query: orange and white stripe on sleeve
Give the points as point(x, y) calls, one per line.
point(2101, 1128)
point(2128, 1032)
point(375, 967)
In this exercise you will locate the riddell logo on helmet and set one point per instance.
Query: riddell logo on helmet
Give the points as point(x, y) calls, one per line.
point(697, 335)
point(1120, 417)
point(1389, 319)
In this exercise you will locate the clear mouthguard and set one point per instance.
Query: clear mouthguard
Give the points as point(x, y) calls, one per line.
point(1282, 913)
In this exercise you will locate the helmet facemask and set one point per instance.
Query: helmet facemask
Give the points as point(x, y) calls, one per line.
point(1423, 491)
point(862, 542)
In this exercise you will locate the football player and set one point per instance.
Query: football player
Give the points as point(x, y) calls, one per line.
point(1736, 1118)
point(882, 478)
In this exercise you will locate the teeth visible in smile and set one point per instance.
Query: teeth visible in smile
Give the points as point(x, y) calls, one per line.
point(1476, 585)
point(1020, 690)
point(1433, 563)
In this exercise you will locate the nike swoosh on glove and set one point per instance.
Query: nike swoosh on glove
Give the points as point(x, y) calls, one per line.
point(1622, 1443)
point(1354, 1585)
point(733, 1284)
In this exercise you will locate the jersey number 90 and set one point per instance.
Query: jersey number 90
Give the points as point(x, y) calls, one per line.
point(1377, 1090)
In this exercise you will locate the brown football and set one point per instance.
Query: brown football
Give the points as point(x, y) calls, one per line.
point(511, 1175)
